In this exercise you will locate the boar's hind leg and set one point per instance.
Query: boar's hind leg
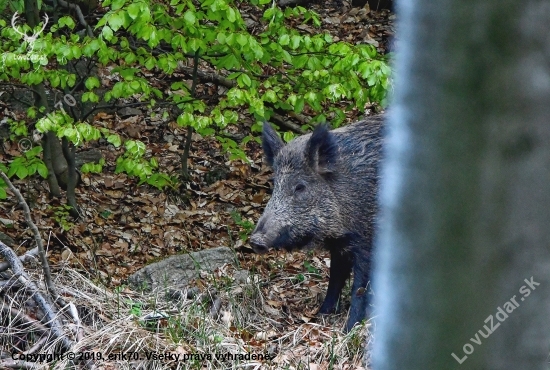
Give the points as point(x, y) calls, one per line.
point(340, 269)
point(360, 295)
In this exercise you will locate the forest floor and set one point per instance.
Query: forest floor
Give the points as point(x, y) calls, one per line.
point(126, 226)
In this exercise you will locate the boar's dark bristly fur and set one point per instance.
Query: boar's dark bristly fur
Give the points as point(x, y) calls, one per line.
point(325, 194)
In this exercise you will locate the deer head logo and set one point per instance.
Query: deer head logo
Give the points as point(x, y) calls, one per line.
point(30, 39)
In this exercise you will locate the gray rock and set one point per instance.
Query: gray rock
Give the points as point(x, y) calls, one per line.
point(179, 270)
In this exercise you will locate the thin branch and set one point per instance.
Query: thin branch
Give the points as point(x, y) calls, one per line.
point(26, 87)
point(114, 106)
point(79, 15)
point(281, 122)
point(213, 77)
point(37, 238)
point(220, 80)
point(160, 51)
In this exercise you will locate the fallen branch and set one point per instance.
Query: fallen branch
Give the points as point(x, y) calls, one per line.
point(212, 77)
point(300, 117)
point(12, 364)
point(30, 255)
point(49, 311)
point(285, 3)
point(33, 324)
point(37, 239)
point(37, 346)
point(280, 121)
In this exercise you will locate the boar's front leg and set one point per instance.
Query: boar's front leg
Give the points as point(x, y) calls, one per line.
point(360, 294)
point(340, 269)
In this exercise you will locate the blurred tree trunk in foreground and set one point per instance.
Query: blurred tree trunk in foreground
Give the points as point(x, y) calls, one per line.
point(462, 276)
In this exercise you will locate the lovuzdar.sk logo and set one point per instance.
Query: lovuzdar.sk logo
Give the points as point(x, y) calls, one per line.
point(32, 38)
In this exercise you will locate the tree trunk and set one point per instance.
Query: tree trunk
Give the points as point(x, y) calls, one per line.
point(465, 190)
point(72, 176)
point(53, 156)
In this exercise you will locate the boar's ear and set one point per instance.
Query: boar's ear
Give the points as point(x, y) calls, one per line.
point(322, 150)
point(271, 143)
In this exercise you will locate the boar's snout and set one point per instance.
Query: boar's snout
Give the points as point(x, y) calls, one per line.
point(258, 244)
point(258, 238)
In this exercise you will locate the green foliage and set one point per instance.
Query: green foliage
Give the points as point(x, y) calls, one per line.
point(135, 307)
point(133, 163)
point(17, 129)
point(299, 278)
point(3, 184)
point(106, 214)
point(310, 268)
point(246, 226)
point(231, 147)
point(64, 127)
point(93, 167)
point(279, 68)
point(28, 164)
point(61, 216)
point(3, 5)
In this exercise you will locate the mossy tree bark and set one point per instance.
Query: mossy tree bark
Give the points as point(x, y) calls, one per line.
point(465, 190)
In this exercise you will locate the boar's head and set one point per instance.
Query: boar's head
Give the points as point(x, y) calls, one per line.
point(303, 210)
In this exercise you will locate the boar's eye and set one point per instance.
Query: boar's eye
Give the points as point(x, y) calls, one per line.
point(299, 187)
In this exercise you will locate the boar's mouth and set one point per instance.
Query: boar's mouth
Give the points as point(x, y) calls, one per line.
point(286, 238)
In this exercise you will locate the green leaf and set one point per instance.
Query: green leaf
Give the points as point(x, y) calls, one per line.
point(284, 39)
point(133, 10)
point(33, 152)
point(189, 17)
point(116, 21)
point(221, 38)
point(107, 32)
point(299, 105)
point(91, 82)
point(242, 39)
point(231, 15)
point(244, 80)
point(67, 21)
point(55, 80)
point(114, 139)
point(117, 4)
point(295, 42)
point(287, 136)
point(22, 172)
point(42, 170)
point(270, 96)
point(150, 63)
